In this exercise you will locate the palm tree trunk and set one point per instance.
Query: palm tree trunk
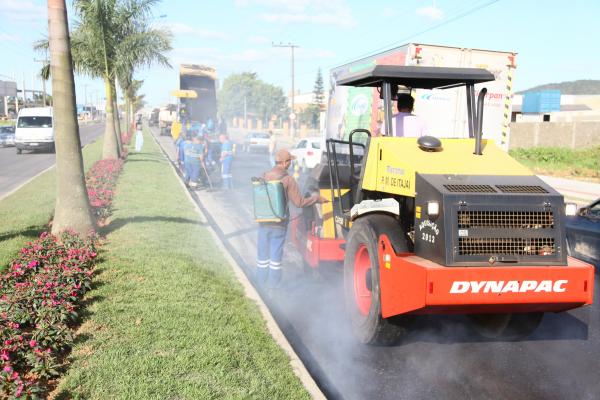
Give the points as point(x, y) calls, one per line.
point(129, 119)
point(117, 115)
point(72, 210)
point(110, 149)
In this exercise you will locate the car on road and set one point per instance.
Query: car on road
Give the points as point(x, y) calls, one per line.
point(256, 141)
point(583, 234)
point(308, 152)
point(7, 136)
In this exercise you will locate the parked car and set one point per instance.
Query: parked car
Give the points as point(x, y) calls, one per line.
point(583, 234)
point(308, 152)
point(7, 136)
point(256, 141)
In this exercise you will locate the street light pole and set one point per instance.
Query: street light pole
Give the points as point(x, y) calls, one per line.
point(44, 62)
point(291, 46)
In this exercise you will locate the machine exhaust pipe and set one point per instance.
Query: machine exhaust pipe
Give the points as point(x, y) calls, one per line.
point(479, 119)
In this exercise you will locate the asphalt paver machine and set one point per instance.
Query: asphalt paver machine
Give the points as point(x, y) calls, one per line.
point(438, 226)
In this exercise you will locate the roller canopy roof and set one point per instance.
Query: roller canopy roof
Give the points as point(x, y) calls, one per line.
point(417, 77)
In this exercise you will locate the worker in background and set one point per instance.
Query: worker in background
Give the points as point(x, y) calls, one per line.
point(271, 235)
point(139, 138)
point(194, 156)
point(210, 125)
point(272, 148)
point(406, 124)
point(226, 159)
point(179, 150)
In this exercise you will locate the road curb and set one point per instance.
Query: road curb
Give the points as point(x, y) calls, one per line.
point(250, 292)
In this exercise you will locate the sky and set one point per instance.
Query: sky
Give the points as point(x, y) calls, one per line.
point(555, 40)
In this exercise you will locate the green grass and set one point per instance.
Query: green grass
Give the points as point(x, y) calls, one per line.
point(167, 319)
point(584, 163)
point(25, 213)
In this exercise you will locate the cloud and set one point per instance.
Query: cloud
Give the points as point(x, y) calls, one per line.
point(331, 12)
point(179, 28)
point(323, 19)
point(235, 59)
point(389, 12)
point(431, 12)
point(19, 10)
point(4, 37)
point(258, 40)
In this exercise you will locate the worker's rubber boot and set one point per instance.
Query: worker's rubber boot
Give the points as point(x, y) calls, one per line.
point(274, 280)
point(262, 274)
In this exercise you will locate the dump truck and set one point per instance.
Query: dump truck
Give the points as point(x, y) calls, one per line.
point(444, 112)
point(201, 79)
point(437, 225)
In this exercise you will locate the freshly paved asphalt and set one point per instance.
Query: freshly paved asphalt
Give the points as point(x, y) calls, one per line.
point(442, 358)
point(17, 169)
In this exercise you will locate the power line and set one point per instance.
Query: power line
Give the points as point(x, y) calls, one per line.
point(461, 13)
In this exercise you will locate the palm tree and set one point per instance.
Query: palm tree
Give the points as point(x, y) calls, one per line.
point(72, 209)
point(93, 46)
point(141, 46)
point(112, 39)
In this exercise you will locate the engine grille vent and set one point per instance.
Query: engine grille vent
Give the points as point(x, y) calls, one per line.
point(470, 188)
point(506, 219)
point(506, 246)
point(521, 189)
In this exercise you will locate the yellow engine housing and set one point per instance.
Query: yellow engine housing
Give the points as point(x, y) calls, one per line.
point(392, 162)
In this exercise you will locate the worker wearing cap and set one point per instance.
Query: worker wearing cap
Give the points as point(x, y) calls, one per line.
point(271, 235)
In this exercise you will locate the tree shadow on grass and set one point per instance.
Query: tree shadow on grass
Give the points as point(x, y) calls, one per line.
point(120, 222)
point(32, 232)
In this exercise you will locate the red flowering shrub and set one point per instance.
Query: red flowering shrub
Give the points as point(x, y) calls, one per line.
point(126, 137)
point(39, 294)
point(41, 291)
point(101, 180)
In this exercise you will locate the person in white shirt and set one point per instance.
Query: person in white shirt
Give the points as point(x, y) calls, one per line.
point(405, 123)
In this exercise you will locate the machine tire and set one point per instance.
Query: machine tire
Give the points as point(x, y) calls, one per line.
point(361, 248)
point(506, 326)
point(19, 151)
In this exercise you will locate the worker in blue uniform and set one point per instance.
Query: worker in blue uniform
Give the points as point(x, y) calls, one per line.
point(194, 156)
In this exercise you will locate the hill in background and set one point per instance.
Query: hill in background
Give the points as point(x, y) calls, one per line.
point(585, 86)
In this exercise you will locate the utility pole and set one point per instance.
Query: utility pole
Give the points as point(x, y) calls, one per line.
point(291, 46)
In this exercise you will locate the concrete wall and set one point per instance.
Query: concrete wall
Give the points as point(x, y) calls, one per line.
point(554, 134)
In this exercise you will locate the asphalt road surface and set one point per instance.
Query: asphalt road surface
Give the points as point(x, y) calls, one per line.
point(17, 169)
point(442, 357)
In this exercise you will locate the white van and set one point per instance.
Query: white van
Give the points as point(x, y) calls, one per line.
point(35, 129)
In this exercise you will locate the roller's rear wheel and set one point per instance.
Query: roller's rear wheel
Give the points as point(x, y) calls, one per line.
point(506, 326)
point(361, 279)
